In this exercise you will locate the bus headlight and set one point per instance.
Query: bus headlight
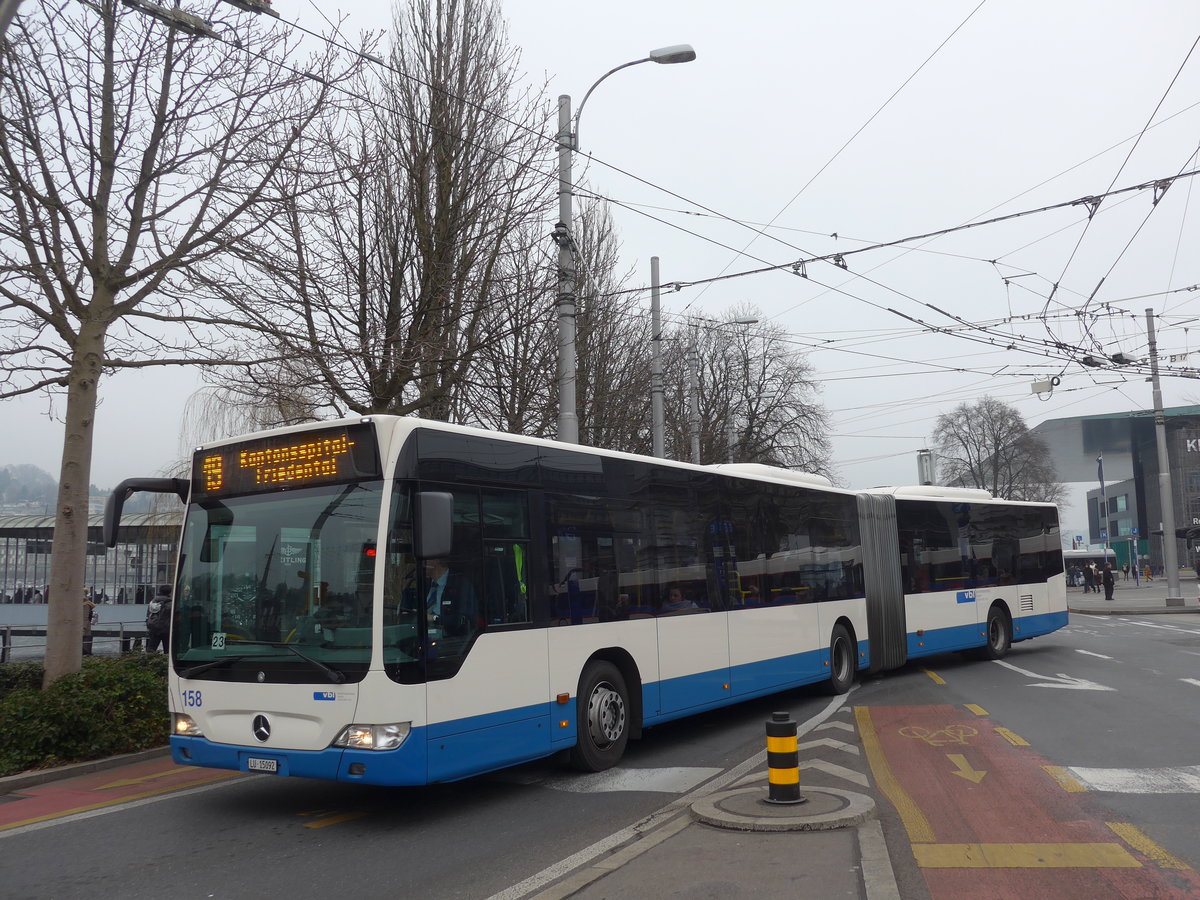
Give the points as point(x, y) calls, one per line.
point(185, 726)
point(373, 737)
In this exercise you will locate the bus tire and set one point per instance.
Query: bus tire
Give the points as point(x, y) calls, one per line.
point(601, 718)
point(841, 661)
point(998, 633)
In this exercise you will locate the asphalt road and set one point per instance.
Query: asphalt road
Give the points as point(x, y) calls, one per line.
point(1110, 704)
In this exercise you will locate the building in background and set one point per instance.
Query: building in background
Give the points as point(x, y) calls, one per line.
point(143, 558)
point(1128, 516)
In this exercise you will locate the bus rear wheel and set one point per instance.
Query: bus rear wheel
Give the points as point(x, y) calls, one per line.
point(601, 718)
point(999, 634)
point(841, 661)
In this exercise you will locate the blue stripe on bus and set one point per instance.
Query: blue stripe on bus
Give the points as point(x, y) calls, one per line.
point(964, 637)
point(1026, 627)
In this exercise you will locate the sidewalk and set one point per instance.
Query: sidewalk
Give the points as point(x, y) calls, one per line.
point(1129, 599)
point(725, 841)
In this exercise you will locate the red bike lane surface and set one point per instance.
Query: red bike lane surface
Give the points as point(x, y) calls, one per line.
point(986, 819)
point(98, 790)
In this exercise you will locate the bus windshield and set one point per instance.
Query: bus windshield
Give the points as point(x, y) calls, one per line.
point(278, 586)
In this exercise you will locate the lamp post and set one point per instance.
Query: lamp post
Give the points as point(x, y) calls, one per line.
point(568, 143)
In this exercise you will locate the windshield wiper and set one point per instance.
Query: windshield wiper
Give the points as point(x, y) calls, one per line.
point(204, 667)
point(333, 674)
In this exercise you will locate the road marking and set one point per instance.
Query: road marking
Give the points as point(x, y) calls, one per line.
point(937, 679)
point(836, 771)
point(845, 726)
point(652, 825)
point(1064, 779)
point(334, 819)
point(1139, 841)
point(1191, 681)
point(978, 710)
point(1024, 856)
point(828, 742)
point(1170, 780)
point(963, 769)
point(110, 806)
point(1090, 653)
point(1056, 681)
point(915, 823)
point(1163, 627)
point(671, 780)
point(126, 782)
point(951, 734)
point(1012, 737)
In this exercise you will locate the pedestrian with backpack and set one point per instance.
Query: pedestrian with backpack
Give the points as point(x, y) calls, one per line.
point(158, 619)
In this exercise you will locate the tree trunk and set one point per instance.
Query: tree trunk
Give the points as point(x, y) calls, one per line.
point(64, 638)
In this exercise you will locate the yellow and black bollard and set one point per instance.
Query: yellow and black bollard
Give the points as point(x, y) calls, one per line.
point(783, 760)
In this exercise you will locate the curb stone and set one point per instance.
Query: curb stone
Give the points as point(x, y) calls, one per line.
point(23, 780)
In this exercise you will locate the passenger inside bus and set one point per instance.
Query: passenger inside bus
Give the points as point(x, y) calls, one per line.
point(676, 603)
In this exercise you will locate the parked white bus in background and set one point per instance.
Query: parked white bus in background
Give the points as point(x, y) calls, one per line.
point(394, 601)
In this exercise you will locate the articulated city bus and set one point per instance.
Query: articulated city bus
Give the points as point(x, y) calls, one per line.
point(393, 601)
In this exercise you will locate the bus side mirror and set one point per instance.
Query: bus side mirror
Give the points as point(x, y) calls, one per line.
point(122, 492)
point(435, 513)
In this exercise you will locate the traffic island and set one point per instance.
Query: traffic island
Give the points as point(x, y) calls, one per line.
point(747, 809)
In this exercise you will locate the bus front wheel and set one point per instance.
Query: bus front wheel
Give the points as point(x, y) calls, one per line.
point(999, 633)
point(601, 718)
point(841, 661)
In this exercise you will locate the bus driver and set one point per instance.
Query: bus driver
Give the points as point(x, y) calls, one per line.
point(450, 603)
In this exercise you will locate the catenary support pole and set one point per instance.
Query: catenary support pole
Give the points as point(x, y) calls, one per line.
point(1165, 498)
point(568, 419)
point(658, 417)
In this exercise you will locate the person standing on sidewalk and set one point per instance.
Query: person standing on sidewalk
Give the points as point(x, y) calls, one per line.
point(1108, 581)
point(89, 619)
point(158, 619)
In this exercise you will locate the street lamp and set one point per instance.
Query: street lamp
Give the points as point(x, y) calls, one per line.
point(568, 142)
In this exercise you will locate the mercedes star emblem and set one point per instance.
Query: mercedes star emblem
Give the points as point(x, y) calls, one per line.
point(261, 728)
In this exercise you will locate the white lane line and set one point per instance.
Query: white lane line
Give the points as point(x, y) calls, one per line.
point(1176, 628)
point(830, 743)
point(671, 780)
point(1090, 653)
point(660, 817)
point(1173, 780)
point(1194, 681)
point(835, 770)
point(121, 807)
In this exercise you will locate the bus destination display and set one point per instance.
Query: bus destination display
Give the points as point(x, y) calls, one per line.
point(324, 456)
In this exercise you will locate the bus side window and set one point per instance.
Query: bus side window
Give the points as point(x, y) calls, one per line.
point(502, 570)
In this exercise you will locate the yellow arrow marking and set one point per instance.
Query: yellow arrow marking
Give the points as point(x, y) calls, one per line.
point(126, 782)
point(963, 769)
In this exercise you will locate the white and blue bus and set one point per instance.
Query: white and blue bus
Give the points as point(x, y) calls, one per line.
point(394, 601)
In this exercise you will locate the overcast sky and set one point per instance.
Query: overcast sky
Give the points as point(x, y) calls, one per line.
point(844, 125)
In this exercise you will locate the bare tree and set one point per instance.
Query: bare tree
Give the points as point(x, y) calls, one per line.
point(381, 281)
point(130, 154)
point(508, 386)
point(612, 340)
point(758, 396)
point(987, 445)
